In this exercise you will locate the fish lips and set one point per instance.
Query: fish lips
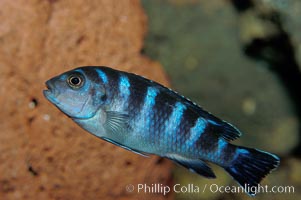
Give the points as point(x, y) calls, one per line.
point(50, 93)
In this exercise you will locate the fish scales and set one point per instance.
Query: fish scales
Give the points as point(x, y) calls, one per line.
point(145, 117)
point(171, 127)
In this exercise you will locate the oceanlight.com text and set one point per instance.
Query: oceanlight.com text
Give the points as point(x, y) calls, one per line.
point(158, 188)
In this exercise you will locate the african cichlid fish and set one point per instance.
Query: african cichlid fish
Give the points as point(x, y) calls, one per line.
point(147, 118)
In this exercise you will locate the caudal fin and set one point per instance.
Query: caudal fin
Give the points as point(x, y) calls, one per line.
point(251, 166)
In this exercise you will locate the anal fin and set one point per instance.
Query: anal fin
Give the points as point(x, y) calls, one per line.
point(195, 165)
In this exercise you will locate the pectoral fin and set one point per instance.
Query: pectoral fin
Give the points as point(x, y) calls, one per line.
point(117, 123)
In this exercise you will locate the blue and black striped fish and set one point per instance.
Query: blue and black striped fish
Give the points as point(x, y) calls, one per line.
point(147, 118)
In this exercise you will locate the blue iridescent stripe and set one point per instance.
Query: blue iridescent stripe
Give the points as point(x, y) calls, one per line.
point(173, 123)
point(124, 88)
point(222, 144)
point(102, 75)
point(144, 119)
point(196, 132)
point(150, 98)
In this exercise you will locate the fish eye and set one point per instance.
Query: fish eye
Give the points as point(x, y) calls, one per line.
point(75, 81)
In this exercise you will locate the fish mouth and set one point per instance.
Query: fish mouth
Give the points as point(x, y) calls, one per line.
point(49, 89)
point(50, 92)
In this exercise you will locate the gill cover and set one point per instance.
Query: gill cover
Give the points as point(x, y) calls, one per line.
point(75, 94)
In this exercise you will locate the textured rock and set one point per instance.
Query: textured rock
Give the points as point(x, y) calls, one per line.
point(44, 155)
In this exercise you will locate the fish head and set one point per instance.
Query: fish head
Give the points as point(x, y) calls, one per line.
point(76, 94)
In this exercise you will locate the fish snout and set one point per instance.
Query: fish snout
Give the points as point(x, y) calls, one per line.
point(50, 92)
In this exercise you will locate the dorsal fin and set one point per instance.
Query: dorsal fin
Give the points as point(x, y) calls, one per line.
point(225, 130)
point(220, 127)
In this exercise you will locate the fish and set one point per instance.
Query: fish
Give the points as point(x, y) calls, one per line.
point(147, 118)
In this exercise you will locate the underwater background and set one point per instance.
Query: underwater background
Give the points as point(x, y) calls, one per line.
point(240, 60)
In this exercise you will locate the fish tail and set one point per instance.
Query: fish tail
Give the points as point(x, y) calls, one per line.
point(250, 166)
